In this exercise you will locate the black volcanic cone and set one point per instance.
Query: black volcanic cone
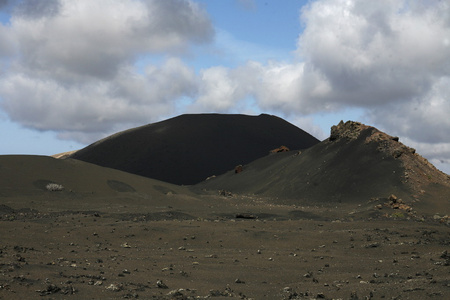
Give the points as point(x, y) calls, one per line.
point(189, 148)
point(357, 163)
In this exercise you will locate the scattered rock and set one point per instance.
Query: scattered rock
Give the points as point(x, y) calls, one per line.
point(160, 284)
point(54, 187)
point(211, 177)
point(372, 245)
point(51, 289)
point(115, 287)
point(395, 203)
point(246, 216)
point(225, 193)
point(280, 149)
point(125, 245)
point(177, 294)
point(238, 169)
point(228, 292)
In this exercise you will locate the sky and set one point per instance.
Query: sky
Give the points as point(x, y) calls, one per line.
point(73, 72)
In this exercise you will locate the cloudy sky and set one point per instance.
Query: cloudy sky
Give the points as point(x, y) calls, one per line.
point(72, 72)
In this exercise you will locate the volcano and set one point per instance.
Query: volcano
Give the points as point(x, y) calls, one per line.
point(189, 148)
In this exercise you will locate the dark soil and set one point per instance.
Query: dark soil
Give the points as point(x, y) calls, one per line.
point(212, 251)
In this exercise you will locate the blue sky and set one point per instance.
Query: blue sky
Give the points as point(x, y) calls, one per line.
point(72, 72)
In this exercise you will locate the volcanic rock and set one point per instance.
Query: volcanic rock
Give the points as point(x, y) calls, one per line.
point(280, 149)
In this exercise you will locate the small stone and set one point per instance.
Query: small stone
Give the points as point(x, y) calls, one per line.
point(160, 284)
point(393, 198)
point(114, 287)
point(176, 294)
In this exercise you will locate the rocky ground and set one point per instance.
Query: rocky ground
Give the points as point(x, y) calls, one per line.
point(230, 248)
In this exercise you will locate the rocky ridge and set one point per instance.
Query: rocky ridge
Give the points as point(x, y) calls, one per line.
point(418, 170)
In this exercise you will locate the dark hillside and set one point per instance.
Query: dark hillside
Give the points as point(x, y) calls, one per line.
point(189, 148)
point(356, 164)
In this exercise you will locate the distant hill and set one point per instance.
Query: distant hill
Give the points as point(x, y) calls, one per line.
point(29, 174)
point(78, 185)
point(189, 148)
point(356, 164)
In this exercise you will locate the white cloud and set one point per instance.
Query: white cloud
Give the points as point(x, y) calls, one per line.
point(37, 9)
point(354, 53)
point(308, 125)
point(8, 44)
point(218, 91)
point(378, 52)
point(390, 58)
point(93, 38)
point(74, 64)
point(97, 106)
point(425, 119)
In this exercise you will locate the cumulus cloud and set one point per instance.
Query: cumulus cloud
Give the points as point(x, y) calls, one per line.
point(376, 53)
point(75, 64)
point(37, 8)
point(390, 58)
point(93, 38)
point(8, 44)
point(352, 53)
point(308, 124)
point(98, 106)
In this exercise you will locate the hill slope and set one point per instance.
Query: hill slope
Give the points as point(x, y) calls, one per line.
point(357, 163)
point(189, 148)
point(24, 179)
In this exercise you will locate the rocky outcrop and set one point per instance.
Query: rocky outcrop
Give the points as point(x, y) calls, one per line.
point(418, 173)
point(349, 130)
point(280, 149)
